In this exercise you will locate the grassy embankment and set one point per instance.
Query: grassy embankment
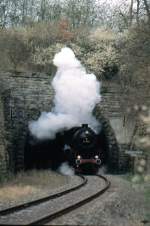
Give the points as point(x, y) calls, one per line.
point(30, 183)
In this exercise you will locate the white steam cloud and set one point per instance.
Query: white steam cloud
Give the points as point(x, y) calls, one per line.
point(65, 169)
point(76, 94)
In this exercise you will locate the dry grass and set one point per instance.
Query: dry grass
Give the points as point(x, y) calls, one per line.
point(15, 192)
point(30, 183)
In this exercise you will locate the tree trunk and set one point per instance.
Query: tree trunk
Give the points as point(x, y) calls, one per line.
point(131, 13)
point(147, 8)
point(137, 12)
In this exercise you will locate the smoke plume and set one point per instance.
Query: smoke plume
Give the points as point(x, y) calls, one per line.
point(76, 94)
point(65, 169)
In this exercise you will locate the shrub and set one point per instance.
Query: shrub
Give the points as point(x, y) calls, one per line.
point(103, 61)
point(135, 55)
point(43, 56)
point(44, 34)
point(103, 35)
point(97, 57)
point(15, 48)
point(35, 47)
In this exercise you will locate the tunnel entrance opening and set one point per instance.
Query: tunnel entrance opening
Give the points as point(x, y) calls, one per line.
point(46, 154)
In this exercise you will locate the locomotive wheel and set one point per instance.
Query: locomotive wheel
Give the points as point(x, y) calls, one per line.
point(111, 142)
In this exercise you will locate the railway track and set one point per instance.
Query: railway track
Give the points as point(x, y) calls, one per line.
point(41, 211)
point(41, 200)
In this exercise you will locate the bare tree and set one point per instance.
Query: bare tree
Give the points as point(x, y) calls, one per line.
point(147, 8)
point(131, 13)
point(137, 12)
point(49, 10)
point(80, 12)
point(3, 13)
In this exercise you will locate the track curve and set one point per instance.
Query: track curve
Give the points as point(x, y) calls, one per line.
point(75, 206)
point(41, 200)
point(51, 209)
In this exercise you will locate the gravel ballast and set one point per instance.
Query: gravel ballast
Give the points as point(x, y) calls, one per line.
point(122, 205)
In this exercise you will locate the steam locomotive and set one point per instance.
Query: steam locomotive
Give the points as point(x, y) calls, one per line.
point(84, 149)
point(80, 146)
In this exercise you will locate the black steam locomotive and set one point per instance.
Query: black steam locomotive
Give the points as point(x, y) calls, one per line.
point(84, 149)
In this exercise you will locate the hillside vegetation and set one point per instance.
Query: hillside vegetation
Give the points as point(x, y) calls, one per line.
point(106, 38)
point(33, 48)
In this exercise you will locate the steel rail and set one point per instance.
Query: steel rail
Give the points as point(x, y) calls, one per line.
point(60, 213)
point(44, 199)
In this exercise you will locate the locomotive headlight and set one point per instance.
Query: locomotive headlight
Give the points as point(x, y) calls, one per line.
point(78, 157)
point(96, 156)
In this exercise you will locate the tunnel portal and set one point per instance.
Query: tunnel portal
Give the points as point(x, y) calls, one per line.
point(44, 154)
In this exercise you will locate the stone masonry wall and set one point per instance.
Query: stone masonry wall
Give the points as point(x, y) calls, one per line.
point(25, 96)
point(112, 102)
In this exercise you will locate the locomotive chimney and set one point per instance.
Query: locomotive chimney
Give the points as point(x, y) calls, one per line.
point(85, 126)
